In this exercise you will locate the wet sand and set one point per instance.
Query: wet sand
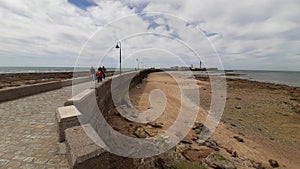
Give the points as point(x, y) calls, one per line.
point(260, 123)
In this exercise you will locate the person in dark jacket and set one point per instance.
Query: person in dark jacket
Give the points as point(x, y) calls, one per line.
point(103, 72)
point(99, 74)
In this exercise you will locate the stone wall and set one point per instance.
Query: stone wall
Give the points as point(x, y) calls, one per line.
point(116, 84)
point(23, 91)
point(92, 105)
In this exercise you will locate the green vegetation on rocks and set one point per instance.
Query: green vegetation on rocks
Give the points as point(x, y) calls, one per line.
point(215, 160)
point(188, 165)
point(198, 131)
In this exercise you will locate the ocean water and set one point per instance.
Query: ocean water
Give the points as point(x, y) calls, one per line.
point(291, 78)
point(38, 69)
point(50, 69)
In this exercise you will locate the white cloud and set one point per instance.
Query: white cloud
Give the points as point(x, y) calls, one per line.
point(247, 34)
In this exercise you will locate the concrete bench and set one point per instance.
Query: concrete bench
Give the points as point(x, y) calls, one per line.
point(66, 117)
point(83, 153)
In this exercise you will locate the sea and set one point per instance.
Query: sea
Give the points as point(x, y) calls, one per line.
point(291, 78)
point(5, 70)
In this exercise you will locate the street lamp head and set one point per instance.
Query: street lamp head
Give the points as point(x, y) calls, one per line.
point(117, 46)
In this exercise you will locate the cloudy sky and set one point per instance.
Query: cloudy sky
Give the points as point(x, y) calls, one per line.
point(253, 34)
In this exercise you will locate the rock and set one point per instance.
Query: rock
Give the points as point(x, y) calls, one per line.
point(239, 139)
point(211, 144)
point(215, 160)
point(234, 154)
point(195, 138)
point(131, 129)
point(140, 132)
point(274, 163)
point(237, 107)
point(186, 142)
point(151, 133)
point(229, 150)
point(198, 125)
point(233, 125)
point(196, 155)
point(156, 125)
point(198, 131)
point(159, 163)
point(258, 165)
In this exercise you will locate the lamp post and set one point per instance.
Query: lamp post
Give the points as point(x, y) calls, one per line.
point(138, 67)
point(119, 46)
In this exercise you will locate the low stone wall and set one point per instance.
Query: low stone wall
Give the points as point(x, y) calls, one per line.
point(93, 103)
point(23, 91)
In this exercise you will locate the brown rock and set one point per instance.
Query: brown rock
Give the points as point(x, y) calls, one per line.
point(159, 163)
point(150, 132)
point(238, 107)
point(211, 144)
point(140, 132)
point(156, 125)
point(274, 163)
point(198, 125)
point(258, 165)
point(196, 155)
point(186, 142)
point(239, 139)
point(234, 154)
point(215, 160)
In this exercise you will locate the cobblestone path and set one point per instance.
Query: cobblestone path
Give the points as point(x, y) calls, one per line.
point(28, 137)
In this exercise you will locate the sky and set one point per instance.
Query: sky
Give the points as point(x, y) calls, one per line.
point(228, 34)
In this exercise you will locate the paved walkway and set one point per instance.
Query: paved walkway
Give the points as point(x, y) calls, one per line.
point(28, 137)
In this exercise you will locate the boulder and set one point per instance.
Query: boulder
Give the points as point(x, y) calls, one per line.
point(195, 154)
point(239, 139)
point(274, 163)
point(140, 132)
point(156, 125)
point(215, 160)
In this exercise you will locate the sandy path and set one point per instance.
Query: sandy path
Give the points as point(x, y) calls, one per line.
point(257, 147)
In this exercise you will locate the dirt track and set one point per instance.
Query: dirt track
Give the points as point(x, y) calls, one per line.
point(263, 115)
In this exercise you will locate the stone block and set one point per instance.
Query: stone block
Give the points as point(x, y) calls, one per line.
point(84, 153)
point(66, 117)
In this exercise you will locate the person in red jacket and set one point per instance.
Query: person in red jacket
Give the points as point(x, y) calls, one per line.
point(99, 74)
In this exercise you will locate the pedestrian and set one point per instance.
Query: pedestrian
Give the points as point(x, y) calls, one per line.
point(104, 72)
point(92, 71)
point(99, 74)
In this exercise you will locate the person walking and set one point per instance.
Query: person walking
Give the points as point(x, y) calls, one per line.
point(103, 72)
point(99, 74)
point(92, 71)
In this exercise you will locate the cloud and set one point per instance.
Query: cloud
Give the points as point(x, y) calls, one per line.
point(248, 35)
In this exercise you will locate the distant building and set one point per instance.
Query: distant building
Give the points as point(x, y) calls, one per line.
point(180, 68)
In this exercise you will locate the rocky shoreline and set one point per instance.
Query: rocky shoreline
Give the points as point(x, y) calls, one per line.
point(259, 127)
